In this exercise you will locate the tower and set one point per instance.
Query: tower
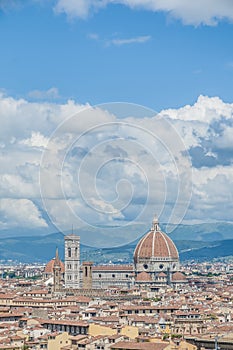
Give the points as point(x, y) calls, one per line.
point(87, 274)
point(56, 273)
point(72, 261)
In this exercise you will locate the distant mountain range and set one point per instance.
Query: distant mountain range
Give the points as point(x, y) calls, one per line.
point(99, 236)
point(199, 242)
point(203, 232)
point(112, 236)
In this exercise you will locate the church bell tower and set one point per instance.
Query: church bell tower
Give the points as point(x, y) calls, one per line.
point(72, 261)
point(56, 273)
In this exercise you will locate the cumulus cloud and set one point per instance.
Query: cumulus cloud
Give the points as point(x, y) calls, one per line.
point(93, 166)
point(207, 12)
point(206, 128)
point(21, 213)
point(205, 110)
point(36, 140)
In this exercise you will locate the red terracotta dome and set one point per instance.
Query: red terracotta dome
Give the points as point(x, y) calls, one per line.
point(178, 276)
point(162, 274)
point(143, 277)
point(49, 267)
point(155, 244)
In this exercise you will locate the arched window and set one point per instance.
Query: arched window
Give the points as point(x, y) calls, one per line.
point(69, 252)
point(76, 252)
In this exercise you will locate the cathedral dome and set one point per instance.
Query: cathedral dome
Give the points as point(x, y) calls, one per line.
point(155, 244)
point(50, 265)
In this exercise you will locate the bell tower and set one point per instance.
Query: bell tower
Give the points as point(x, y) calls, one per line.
point(72, 261)
point(56, 273)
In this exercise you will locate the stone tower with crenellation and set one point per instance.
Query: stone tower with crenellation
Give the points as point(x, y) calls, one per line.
point(72, 261)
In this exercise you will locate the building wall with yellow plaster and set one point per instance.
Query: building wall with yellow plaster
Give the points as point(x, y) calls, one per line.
point(166, 330)
point(60, 341)
point(97, 329)
point(130, 331)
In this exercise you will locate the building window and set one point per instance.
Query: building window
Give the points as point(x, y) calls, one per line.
point(100, 275)
point(113, 275)
point(161, 266)
point(69, 252)
point(145, 266)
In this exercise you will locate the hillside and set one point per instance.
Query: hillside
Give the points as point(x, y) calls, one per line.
point(110, 236)
point(216, 250)
point(203, 232)
point(34, 249)
point(42, 249)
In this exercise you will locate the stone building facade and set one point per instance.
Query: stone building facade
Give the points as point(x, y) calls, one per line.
point(105, 276)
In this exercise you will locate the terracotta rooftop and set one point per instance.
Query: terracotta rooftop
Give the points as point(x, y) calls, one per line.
point(143, 277)
point(178, 276)
point(49, 267)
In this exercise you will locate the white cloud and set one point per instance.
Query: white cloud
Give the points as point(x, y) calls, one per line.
point(120, 41)
point(100, 168)
point(78, 8)
point(207, 12)
point(102, 206)
point(20, 213)
point(136, 40)
point(205, 110)
point(225, 140)
point(18, 186)
point(36, 140)
point(212, 194)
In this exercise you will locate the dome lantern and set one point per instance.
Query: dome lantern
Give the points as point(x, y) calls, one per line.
point(155, 224)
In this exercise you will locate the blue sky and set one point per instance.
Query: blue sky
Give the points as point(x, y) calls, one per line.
point(65, 161)
point(100, 58)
